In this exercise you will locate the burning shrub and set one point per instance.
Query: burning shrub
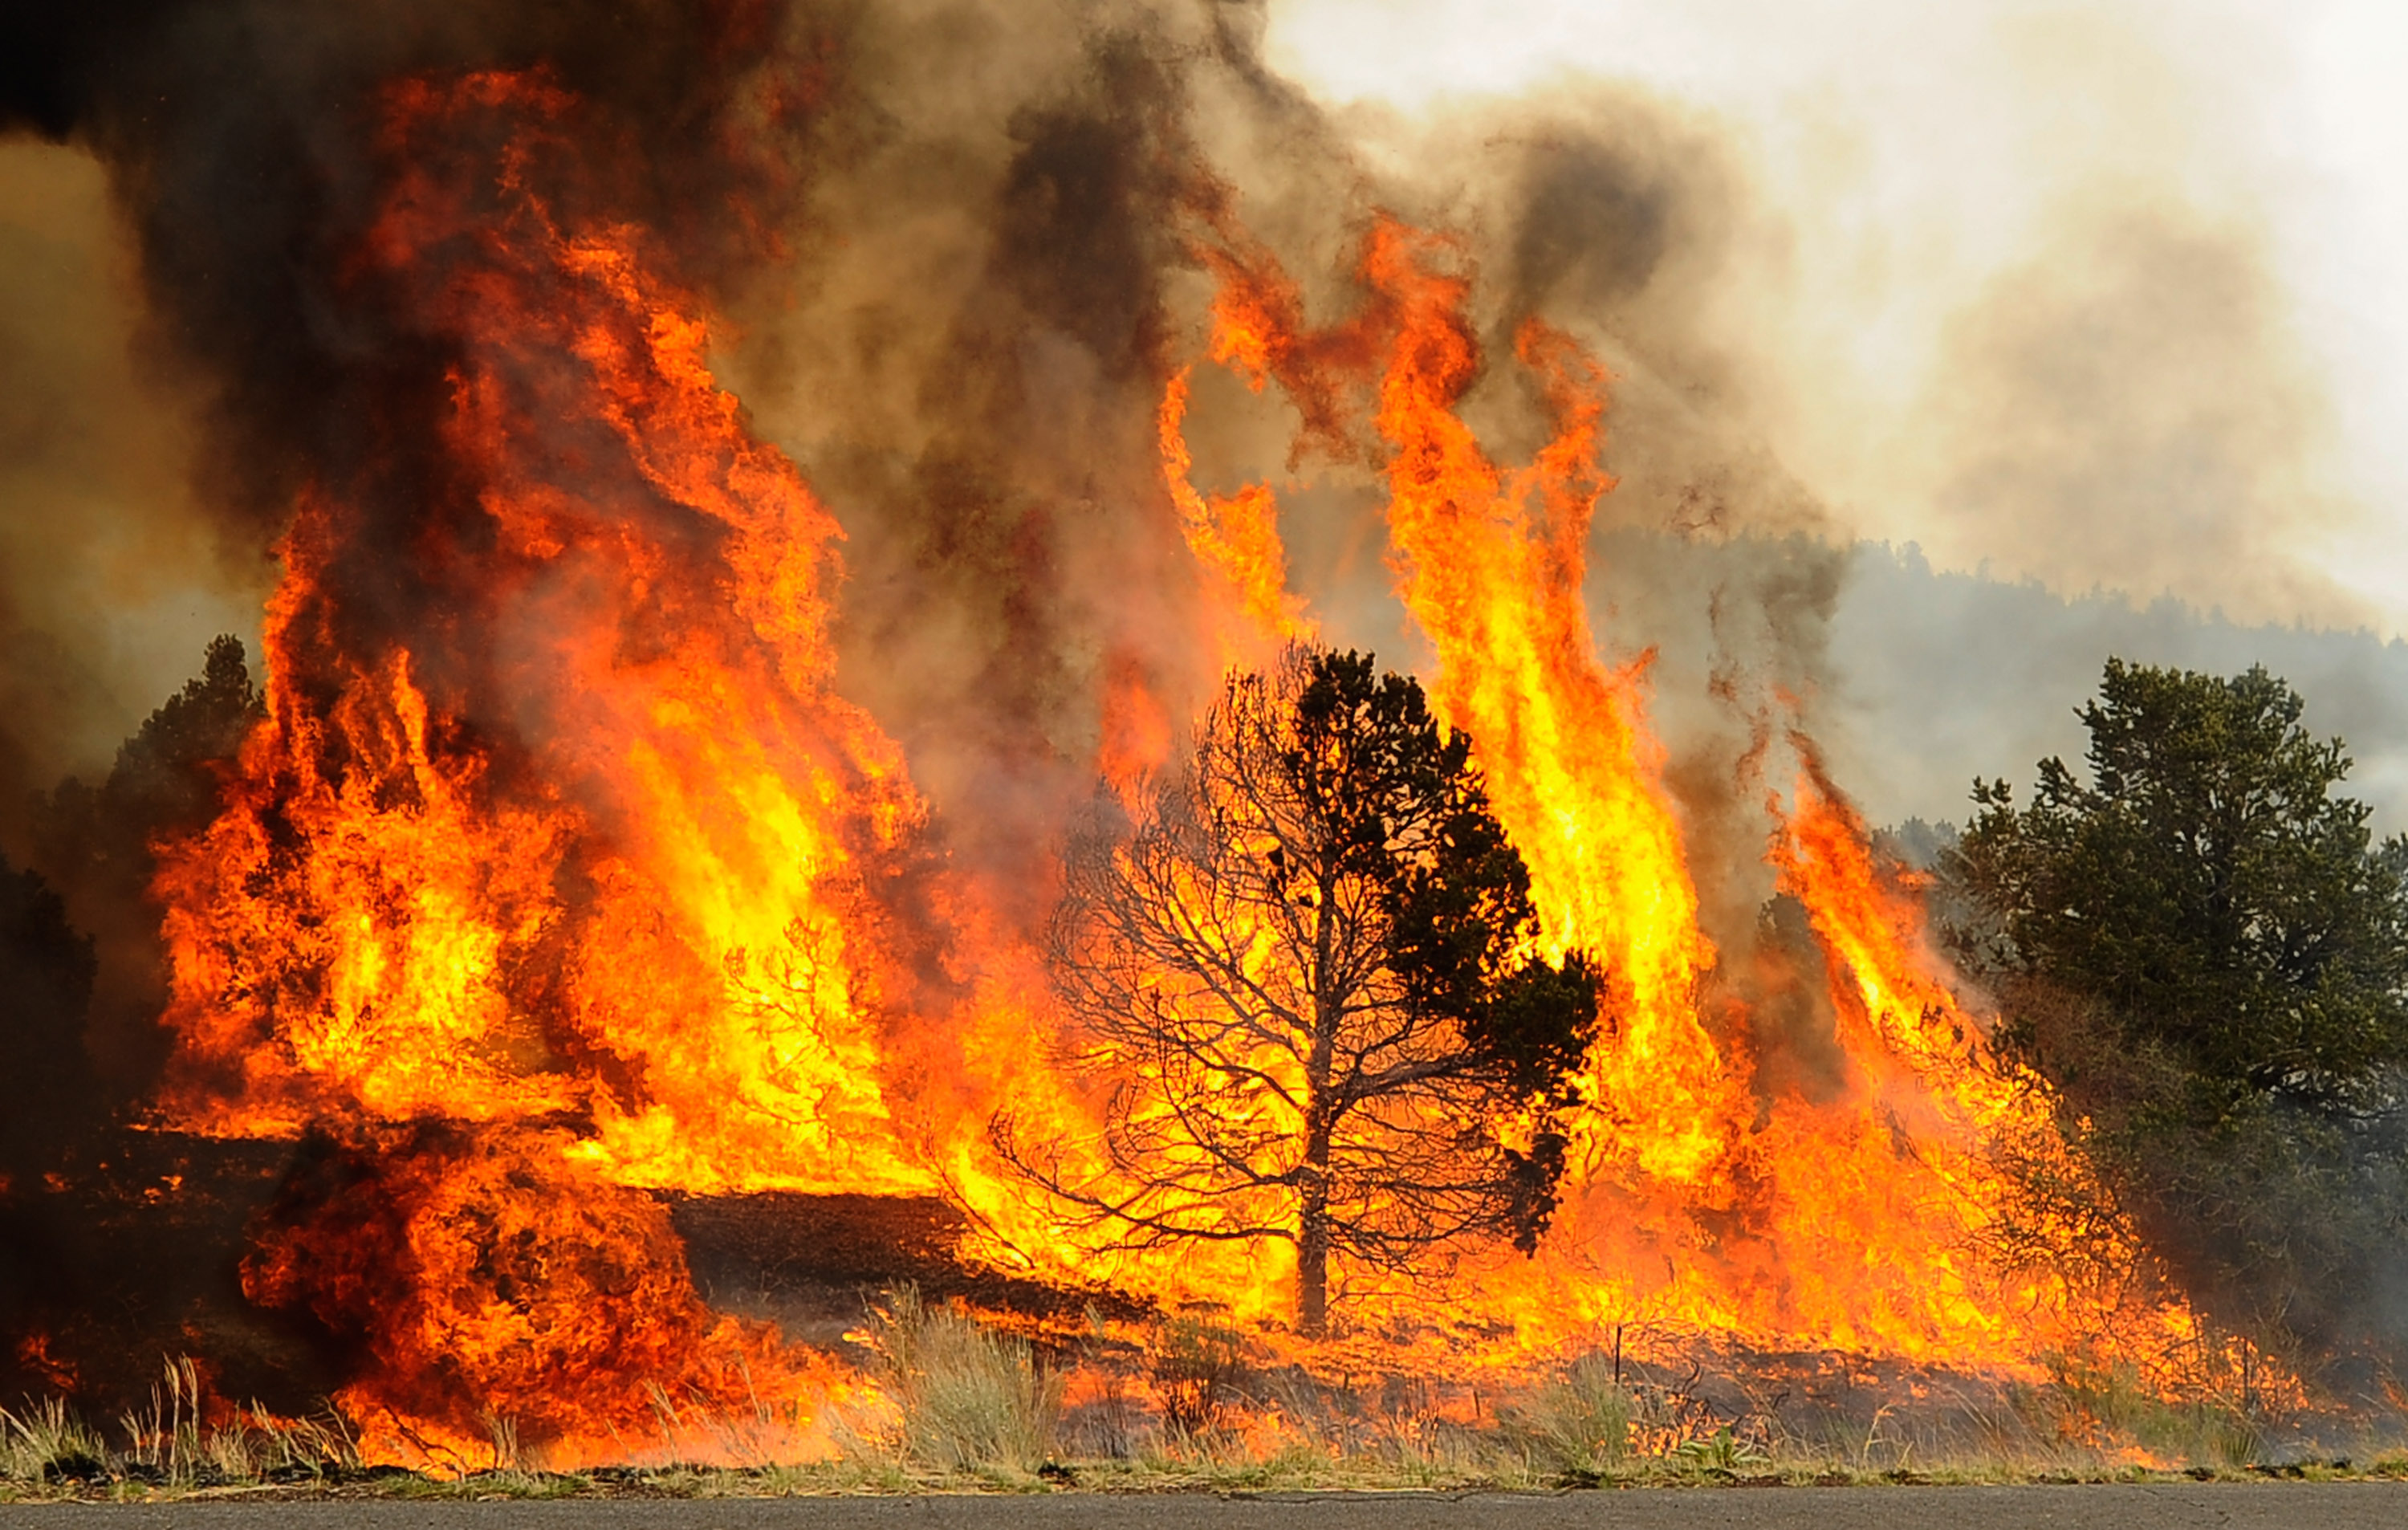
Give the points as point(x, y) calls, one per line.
point(1196, 1366)
point(2106, 1404)
point(485, 1278)
point(1308, 974)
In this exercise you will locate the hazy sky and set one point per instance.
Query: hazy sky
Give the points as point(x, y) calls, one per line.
point(2179, 225)
point(2111, 294)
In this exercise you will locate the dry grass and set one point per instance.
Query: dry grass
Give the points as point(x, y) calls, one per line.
point(970, 1408)
point(48, 1444)
point(966, 1399)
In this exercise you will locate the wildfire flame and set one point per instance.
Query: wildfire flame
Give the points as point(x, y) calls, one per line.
point(1857, 1222)
point(556, 872)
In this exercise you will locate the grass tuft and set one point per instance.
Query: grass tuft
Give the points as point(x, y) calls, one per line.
point(47, 1443)
point(967, 1399)
point(1578, 1427)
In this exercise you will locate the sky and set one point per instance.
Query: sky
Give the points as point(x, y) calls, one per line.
point(2190, 214)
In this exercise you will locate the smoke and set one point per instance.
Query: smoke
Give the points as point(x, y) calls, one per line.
point(111, 582)
point(951, 250)
point(2069, 292)
point(177, 352)
point(2128, 408)
point(969, 374)
point(981, 266)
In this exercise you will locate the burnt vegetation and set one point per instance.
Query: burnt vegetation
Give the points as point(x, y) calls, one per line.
point(114, 1245)
point(96, 843)
point(1306, 968)
point(78, 928)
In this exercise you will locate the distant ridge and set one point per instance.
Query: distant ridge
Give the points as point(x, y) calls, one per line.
point(1929, 678)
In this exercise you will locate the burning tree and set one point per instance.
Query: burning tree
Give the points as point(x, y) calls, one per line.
point(1307, 970)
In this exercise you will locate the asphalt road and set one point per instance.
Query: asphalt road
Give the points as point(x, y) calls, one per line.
point(2238, 1506)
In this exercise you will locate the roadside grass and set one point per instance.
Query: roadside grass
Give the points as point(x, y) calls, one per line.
point(965, 1399)
point(965, 1408)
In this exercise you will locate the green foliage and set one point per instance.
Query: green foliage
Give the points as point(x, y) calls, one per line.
point(1327, 881)
point(2202, 948)
point(1721, 1456)
point(2208, 889)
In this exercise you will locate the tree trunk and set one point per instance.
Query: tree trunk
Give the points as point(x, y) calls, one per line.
point(1313, 1208)
point(1312, 1214)
point(1312, 1257)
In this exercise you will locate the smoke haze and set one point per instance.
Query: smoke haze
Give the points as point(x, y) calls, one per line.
point(2091, 294)
point(2076, 359)
point(114, 582)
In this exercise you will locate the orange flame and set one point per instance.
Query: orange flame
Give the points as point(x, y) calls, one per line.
point(588, 847)
point(1236, 542)
point(1857, 1221)
point(474, 1269)
point(1575, 777)
point(570, 881)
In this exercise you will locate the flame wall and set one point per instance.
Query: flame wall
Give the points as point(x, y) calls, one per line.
point(600, 840)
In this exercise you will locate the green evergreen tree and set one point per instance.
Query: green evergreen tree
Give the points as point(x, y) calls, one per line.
point(2208, 889)
point(2206, 953)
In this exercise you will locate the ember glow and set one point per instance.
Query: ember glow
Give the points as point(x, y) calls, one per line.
point(562, 876)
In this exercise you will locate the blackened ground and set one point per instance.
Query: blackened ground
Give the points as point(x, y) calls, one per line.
point(129, 1254)
point(813, 1263)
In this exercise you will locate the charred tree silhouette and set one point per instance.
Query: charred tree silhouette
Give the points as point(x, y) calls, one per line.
point(95, 845)
point(47, 968)
point(1305, 969)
